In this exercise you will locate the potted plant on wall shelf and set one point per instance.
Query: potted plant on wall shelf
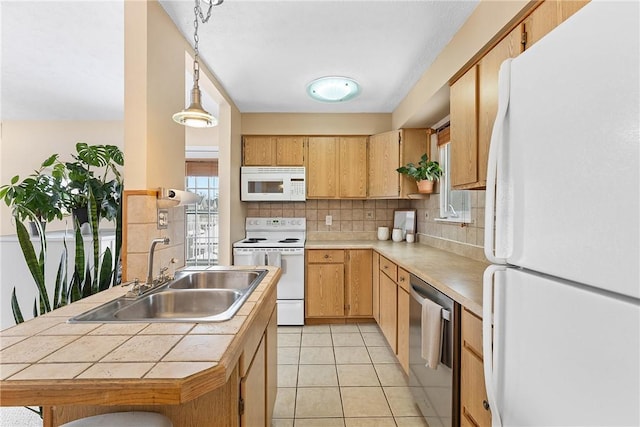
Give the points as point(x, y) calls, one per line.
point(426, 172)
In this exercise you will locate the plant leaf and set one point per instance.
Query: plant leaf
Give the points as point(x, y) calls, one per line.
point(36, 268)
point(15, 308)
point(106, 270)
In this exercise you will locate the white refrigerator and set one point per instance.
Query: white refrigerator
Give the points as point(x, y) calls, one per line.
point(561, 301)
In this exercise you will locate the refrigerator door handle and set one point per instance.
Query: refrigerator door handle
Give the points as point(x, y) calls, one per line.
point(489, 348)
point(492, 219)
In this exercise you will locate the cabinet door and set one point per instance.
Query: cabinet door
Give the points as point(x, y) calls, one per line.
point(384, 159)
point(353, 167)
point(325, 290)
point(464, 130)
point(541, 21)
point(358, 287)
point(290, 151)
point(473, 395)
point(413, 144)
point(403, 329)
point(488, 69)
point(258, 151)
point(272, 364)
point(252, 391)
point(322, 167)
point(375, 280)
point(569, 7)
point(389, 310)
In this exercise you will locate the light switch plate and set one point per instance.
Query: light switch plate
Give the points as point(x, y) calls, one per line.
point(328, 220)
point(163, 219)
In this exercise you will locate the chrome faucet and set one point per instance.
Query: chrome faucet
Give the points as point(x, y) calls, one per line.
point(154, 242)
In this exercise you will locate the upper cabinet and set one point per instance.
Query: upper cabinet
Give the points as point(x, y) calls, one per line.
point(273, 151)
point(474, 94)
point(337, 167)
point(387, 152)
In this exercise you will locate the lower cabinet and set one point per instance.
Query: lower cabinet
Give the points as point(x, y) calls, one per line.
point(258, 385)
point(474, 409)
point(338, 284)
point(393, 304)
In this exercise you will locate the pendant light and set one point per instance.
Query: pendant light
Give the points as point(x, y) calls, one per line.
point(195, 115)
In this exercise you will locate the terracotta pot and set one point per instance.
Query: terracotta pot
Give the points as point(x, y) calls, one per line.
point(425, 186)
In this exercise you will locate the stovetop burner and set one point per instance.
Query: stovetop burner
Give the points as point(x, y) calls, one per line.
point(254, 240)
point(289, 240)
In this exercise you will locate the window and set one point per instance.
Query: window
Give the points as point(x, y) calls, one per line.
point(201, 219)
point(455, 205)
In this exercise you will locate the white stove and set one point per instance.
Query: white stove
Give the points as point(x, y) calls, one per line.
point(274, 233)
point(278, 242)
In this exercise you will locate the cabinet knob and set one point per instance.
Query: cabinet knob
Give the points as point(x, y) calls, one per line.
point(326, 256)
point(385, 266)
point(485, 405)
point(402, 278)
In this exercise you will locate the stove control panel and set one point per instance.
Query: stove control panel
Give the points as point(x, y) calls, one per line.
point(275, 223)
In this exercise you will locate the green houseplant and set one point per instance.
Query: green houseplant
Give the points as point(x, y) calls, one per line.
point(40, 197)
point(83, 174)
point(426, 172)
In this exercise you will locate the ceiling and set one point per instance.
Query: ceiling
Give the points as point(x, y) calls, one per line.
point(63, 60)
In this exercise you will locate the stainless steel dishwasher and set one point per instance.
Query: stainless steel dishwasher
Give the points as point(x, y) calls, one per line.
point(436, 391)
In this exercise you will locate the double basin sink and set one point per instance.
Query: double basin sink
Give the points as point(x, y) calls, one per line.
point(192, 296)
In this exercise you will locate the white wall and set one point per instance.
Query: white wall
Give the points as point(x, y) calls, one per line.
point(24, 145)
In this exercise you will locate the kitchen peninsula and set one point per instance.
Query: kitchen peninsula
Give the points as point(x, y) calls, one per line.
point(191, 372)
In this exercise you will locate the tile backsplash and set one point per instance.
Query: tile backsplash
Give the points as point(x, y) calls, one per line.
point(351, 219)
point(359, 219)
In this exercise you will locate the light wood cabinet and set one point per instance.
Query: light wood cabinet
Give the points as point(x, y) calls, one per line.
point(271, 336)
point(474, 409)
point(387, 152)
point(389, 310)
point(253, 391)
point(258, 386)
point(338, 283)
point(273, 151)
point(464, 131)
point(474, 104)
point(474, 95)
point(358, 289)
point(322, 167)
point(375, 280)
point(393, 312)
point(352, 169)
point(547, 16)
point(402, 350)
point(337, 167)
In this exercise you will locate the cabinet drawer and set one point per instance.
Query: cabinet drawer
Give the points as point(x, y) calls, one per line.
point(471, 332)
point(389, 268)
point(403, 279)
point(325, 256)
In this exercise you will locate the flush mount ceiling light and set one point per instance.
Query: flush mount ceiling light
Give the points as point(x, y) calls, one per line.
point(195, 115)
point(333, 89)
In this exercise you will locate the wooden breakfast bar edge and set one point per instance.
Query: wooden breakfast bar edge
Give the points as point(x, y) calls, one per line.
point(68, 399)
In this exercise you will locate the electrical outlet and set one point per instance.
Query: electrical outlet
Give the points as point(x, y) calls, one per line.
point(328, 220)
point(369, 215)
point(163, 219)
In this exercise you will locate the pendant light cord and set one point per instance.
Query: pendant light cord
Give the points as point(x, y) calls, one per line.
point(199, 16)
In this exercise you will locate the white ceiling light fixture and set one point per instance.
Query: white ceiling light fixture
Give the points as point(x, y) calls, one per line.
point(333, 89)
point(195, 115)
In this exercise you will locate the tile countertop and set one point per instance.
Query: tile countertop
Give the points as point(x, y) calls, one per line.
point(456, 276)
point(47, 361)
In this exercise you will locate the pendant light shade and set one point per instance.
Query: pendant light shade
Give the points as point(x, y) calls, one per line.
point(195, 115)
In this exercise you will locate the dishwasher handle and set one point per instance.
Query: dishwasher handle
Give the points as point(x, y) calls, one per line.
point(446, 314)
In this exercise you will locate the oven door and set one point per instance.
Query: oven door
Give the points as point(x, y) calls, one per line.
point(290, 260)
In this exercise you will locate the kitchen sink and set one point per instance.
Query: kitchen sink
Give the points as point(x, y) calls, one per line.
point(221, 279)
point(193, 296)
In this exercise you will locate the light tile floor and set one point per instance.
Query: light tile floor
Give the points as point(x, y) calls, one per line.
point(340, 376)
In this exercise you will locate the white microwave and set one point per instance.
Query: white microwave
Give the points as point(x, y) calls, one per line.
point(272, 183)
